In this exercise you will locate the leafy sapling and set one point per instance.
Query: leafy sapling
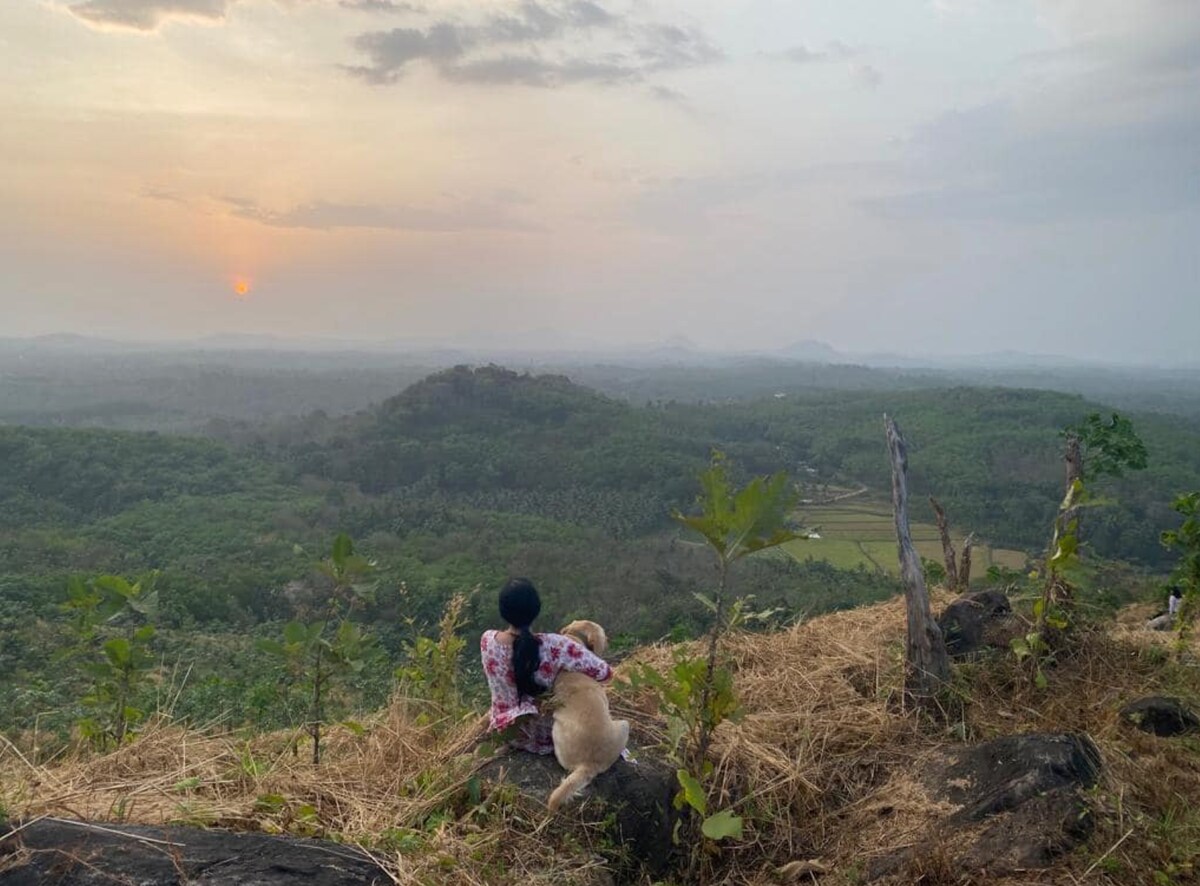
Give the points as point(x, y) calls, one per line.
point(1186, 540)
point(1092, 449)
point(330, 648)
point(113, 622)
point(697, 694)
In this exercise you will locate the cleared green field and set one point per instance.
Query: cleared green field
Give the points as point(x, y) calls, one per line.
point(860, 533)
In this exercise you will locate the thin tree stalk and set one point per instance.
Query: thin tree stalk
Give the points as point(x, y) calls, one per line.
point(927, 667)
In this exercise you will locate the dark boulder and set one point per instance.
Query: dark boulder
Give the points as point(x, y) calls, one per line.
point(1001, 775)
point(54, 852)
point(1029, 790)
point(1161, 715)
point(977, 621)
point(1020, 804)
point(635, 799)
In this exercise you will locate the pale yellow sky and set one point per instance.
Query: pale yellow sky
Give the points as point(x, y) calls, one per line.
point(743, 172)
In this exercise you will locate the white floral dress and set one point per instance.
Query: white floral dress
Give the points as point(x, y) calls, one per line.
point(558, 653)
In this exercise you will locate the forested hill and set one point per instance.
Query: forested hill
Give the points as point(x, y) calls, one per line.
point(73, 477)
point(489, 429)
point(993, 456)
point(540, 445)
point(474, 474)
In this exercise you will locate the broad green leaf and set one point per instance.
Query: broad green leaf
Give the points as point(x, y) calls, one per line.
point(114, 584)
point(722, 825)
point(343, 548)
point(295, 632)
point(118, 651)
point(144, 604)
point(271, 647)
point(690, 792)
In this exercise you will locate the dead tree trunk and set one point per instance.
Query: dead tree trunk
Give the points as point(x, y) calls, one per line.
point(964, 564)
point(947, 545)
point(927, 667)
point(1073, 457)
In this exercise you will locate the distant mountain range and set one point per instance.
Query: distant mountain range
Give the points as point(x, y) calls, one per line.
point(532, 348)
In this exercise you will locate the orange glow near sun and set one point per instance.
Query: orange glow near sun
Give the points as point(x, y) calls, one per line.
point(241, 287)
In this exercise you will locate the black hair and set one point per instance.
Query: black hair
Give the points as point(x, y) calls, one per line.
point(519, 606)
point(1176, 591)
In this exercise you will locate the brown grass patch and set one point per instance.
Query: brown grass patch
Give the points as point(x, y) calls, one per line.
point(824, 767)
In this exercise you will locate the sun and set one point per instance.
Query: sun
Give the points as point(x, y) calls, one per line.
point(241, 287)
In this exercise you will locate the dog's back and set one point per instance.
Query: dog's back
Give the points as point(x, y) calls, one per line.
point(584, 732)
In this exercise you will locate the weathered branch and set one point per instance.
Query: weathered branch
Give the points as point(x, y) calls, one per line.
point(964, 566)
point(927, 666)
point(1073, 458)
point(947, 545)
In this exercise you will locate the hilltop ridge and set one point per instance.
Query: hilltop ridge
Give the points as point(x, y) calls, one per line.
point(825, 766)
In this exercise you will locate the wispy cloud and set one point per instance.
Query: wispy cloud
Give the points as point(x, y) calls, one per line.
point(147, 15)
point(535, 44)
point(867, 76)
point(392, 7)
point(1106, 130)
point(836, 51)
point(324, 216)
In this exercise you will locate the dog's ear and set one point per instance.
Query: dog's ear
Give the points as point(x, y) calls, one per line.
point(599, 640)
point(578, 630)
point(589, 633)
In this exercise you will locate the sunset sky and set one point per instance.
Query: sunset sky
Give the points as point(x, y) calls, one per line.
point(924, 176)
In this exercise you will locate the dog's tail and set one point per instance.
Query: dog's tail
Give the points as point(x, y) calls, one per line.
point(574, 782)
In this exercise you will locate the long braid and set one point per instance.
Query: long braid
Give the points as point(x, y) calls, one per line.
point(519, 606)
point(527, 657)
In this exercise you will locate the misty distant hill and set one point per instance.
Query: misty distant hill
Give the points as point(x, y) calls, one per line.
point(77, 381)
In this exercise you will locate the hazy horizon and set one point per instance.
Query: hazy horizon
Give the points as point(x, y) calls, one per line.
point(923, 178)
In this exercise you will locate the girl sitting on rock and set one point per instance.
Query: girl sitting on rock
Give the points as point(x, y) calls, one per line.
point(521, 665)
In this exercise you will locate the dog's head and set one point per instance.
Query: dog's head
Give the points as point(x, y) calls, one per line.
point(589, 634)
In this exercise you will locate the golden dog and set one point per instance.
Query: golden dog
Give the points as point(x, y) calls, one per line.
point(586, 739)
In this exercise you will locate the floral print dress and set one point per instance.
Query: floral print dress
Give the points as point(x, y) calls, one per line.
point(558, 653)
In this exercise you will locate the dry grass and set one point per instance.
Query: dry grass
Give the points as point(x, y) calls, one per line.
point(823, 766)
point(825, 763)
point(402, 791)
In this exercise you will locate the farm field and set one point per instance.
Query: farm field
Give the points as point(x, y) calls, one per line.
point(859, 532)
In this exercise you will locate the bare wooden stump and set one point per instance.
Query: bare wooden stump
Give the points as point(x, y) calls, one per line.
point(927, 666)
point(947, 545)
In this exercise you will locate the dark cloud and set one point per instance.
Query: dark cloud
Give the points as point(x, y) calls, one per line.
point(146, 15)
point(535, 44)
point(390, 51)
point(325, 216)
point(393, 7)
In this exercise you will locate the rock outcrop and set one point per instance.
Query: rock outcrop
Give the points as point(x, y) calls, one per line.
point(1020, 804)
point(1161, 715)
point(635, 799)
point(66, 853)
point(977, 621)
